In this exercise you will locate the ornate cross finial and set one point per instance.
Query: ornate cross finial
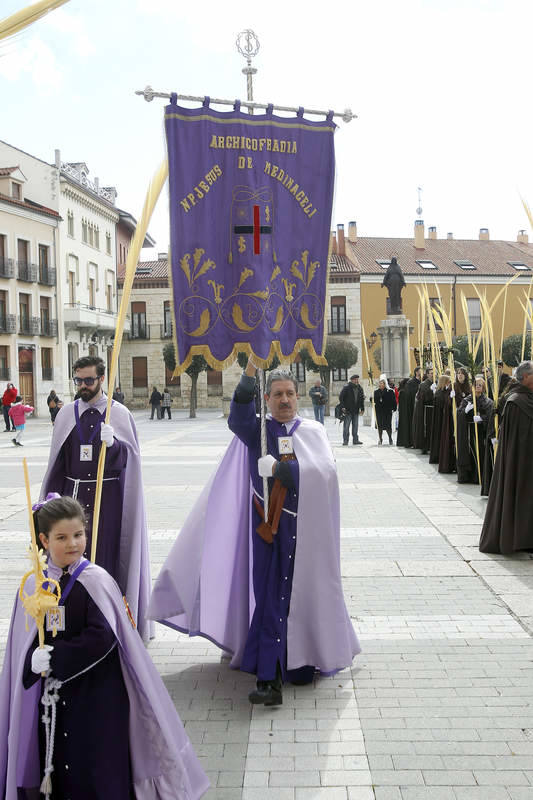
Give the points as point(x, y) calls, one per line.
point(248, 46)
point(419, 209)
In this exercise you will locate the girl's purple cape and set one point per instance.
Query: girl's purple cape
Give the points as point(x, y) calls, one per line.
point(134, 567)
point(163, 762)
point(205, 587)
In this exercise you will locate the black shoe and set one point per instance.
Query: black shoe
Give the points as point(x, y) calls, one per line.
point(358, 442)
point(267, 694)
point(14, 441)
point(345, 444)
point(390, 440)
point(19, 444)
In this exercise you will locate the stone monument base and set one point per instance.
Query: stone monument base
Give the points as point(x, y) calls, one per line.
point(394, 333)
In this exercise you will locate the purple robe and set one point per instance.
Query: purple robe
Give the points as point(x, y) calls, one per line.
point(128, 700)
point(206, 586)
point(122, 532)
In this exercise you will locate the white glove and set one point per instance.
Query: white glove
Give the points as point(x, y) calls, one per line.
point(452, 393)
point(433, 387)
point(469, 407)
point(494, 442)
point(477, 418)
point(40, 659)
point(264, 465)
point(106, 434)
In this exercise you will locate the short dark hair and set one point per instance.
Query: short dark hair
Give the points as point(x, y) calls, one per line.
point(90, 361)
point(353, 376)
point(18, 399)
point(56, 510)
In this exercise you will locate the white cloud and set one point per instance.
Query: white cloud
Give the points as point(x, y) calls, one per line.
point(35, 59)
point(73, 30)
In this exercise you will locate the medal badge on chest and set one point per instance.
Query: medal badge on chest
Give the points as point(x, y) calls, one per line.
point(86, 452)
point(55, 619)
point(285, 447)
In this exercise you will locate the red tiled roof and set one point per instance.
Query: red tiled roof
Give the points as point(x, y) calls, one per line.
point(339, 263)
point(30, 205)
point(6, 171)
point(147, 271)
point(489, 257)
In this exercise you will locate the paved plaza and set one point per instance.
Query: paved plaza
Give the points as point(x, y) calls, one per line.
point(439, 704)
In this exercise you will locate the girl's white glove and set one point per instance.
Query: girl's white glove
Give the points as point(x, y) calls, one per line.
point(452, 393)
point(264, 465)
point(477, 418)
point(40, 659)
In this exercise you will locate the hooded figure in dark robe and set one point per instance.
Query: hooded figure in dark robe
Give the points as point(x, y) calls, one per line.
point(461, 389)
point(406, 407)
point(506, 383)
point(423, 413)
point(439, 408)
point(508, 525)
point(467, 421)
point(394, 281)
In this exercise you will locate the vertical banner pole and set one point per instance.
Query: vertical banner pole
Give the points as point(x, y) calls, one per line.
point(263, 436)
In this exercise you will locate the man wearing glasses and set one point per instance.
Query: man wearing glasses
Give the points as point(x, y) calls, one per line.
point(77, 438)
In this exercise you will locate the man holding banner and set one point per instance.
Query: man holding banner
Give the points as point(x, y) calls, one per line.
point(250, 208)
point(294, 623)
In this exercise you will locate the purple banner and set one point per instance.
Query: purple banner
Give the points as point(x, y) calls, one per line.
point(250, 214)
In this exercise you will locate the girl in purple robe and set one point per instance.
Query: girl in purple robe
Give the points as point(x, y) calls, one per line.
point(92, 726)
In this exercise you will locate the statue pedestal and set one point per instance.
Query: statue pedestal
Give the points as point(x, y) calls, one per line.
point(394, 333)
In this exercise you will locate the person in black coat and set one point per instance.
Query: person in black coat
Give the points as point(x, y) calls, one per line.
point(439, 408)
point(155, 402)
point(423, 413)
point(384, 404)
point(506, 384)
point(406, 407)
point(467, 421)
point(352, 400)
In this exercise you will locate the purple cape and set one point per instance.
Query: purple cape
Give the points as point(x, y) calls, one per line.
point(134, 561)
point(164, 765)
point(205, 586)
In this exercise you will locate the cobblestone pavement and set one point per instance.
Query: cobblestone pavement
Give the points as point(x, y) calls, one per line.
point(439, 704)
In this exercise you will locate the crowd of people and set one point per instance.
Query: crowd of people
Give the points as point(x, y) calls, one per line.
point(454, 423)
point(85, 712)
point(482, 435)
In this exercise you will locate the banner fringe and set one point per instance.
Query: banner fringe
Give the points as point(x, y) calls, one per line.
point(245, 347)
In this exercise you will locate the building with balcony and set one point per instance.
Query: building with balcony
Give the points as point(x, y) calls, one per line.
point(87, 293)
point(30, 351)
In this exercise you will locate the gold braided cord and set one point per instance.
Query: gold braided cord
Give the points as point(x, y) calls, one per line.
point(152, 196)
point(27, 16)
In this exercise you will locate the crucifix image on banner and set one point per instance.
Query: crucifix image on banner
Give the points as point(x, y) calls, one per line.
point(250, 213)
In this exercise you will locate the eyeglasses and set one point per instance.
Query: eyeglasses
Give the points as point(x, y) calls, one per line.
point(86, 381)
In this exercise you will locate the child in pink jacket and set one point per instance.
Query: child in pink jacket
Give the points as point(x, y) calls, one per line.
point(18, 412)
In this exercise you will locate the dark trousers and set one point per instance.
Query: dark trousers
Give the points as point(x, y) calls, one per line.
point(156, 409)
point(353, 420)
point(163, 409)
point(7, 419)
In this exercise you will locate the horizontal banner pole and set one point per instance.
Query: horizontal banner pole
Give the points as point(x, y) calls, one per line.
point(347, 115)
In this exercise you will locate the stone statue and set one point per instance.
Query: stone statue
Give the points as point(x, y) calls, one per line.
point(394, 281)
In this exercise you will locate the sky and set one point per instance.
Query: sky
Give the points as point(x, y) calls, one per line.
point(441, 89)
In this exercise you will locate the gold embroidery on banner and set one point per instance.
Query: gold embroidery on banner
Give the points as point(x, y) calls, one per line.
point(252, 123)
